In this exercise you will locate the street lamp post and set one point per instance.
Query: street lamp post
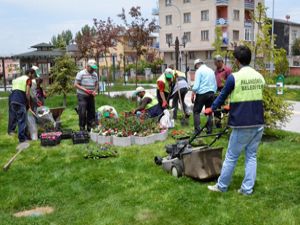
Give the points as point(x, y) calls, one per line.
point(177, 45)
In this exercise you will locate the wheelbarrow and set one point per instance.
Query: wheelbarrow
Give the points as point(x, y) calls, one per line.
point(49, 118)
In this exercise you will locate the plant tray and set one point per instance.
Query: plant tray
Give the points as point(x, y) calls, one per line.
point(66, 134)
point(50, 139)
point(80, 137)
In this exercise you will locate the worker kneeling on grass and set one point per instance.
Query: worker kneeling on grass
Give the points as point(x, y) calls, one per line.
point(148, 104)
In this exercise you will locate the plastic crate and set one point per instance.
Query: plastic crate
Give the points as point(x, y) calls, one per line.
point(80, 137)
point(66, 134)
point(50, 139)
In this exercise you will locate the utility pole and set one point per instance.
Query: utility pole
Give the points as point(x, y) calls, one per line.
point(3, 73)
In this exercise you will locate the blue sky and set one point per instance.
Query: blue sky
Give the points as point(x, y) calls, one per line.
point(24, 23)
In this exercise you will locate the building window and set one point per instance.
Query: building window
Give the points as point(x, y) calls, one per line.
point(172, 56)
point(236, 14)
point(169, 38)
point(204, 15)
point(204, 35)
point(168, 2)
point(294, 34)
point(236, 35)
point(187, 36)
point(187, 17)
point(248, 34)
point(192, 55)
point(186, 1)
point(208, 54)
point(168, 19)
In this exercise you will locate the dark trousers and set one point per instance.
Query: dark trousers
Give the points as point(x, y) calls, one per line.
point(17, 115)
point(86, 111)
point(12, 119)
point(203, 100)
point(182, 93)
point(155, 111)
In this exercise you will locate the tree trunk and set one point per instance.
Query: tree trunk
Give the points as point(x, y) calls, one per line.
point(107, 70)
point(136, 65)
point(65, 100)
point(98, 73)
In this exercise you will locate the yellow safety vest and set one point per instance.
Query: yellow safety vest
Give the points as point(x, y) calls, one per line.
point(179, 73)
point(20, 83)
point(153, 102)
point(248, 86)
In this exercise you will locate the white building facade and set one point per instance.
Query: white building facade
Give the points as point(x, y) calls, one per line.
point(196, 20)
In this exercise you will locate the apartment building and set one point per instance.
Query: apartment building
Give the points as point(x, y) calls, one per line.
point(286, 33)
point(194, 23)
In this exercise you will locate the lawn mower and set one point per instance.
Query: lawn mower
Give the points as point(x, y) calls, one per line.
point(202, 162)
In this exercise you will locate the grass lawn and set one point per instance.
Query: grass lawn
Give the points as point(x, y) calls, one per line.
point(291, 94)
point(131, 189)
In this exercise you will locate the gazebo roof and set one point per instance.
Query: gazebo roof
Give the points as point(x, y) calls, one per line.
point(40, 54)
point(42, 45)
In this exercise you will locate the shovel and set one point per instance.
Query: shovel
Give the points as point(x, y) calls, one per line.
point(21, 147)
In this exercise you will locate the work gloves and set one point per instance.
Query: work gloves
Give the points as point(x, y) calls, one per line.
point(209, 111)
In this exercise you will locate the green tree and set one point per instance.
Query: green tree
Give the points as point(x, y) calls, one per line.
point(63, 73)
point(62, 40)
point(218, 42)
point(296, 47)
point(281, 62)
point(277, 111)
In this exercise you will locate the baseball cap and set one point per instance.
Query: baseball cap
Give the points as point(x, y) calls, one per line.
point(198, 61)
point(138, 90)
point(106, 114)
point(169, 73)
point(37, 71)
point(92, 63)
point(218, 58)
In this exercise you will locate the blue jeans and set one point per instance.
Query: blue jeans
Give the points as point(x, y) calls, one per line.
point(18, 113)
point(241, 138)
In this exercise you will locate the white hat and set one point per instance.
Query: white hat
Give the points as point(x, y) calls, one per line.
point(138, 90)
point(218, 58)
point(37, 70)
point(198, 61)
point(169, 73)
point(92, 63)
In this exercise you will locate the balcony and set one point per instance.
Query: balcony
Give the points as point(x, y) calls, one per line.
point(222, 2)
point(248, 23)
point(249, 4)
point(222, 22)
point(155, 12)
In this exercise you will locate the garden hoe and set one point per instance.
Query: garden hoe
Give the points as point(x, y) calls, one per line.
point(21, 147)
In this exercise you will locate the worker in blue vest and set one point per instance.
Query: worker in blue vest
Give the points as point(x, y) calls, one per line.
point(19, 102)
point(246, 118)
point(149, 104)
